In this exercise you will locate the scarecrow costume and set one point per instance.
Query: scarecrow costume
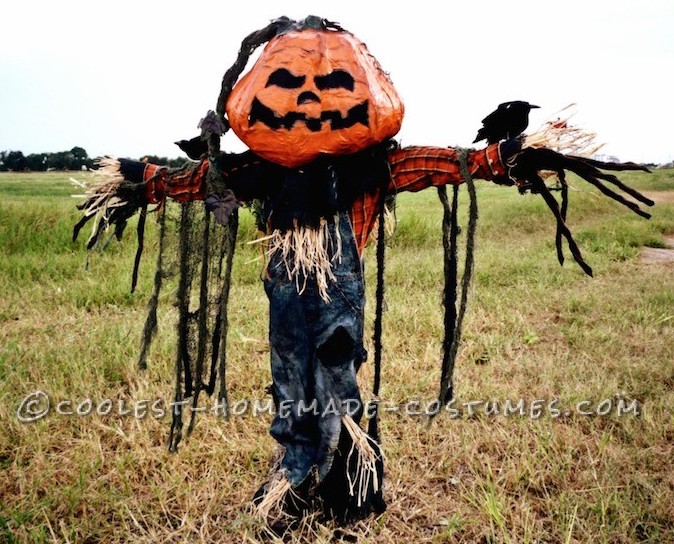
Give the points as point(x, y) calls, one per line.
point(318, 115)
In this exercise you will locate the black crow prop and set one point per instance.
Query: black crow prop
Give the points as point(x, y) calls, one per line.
point(508, 121)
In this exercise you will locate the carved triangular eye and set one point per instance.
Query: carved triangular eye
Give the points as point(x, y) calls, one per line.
point(335, 80)
point(284, 79)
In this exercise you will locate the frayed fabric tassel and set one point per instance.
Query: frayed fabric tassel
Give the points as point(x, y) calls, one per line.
point(366, 464)
point(274, 497)
point(390, 223)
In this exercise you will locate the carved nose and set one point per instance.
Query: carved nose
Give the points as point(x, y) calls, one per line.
point(307, 96)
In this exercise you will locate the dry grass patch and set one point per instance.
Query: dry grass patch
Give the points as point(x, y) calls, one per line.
point(534, 332)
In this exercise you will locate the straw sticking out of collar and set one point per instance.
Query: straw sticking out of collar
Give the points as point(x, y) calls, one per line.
point(308, 253)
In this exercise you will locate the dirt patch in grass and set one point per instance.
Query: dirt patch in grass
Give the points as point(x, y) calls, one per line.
point(660, 197)
point(659, 255)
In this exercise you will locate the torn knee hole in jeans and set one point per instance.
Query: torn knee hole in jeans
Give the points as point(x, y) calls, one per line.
point(339, 348)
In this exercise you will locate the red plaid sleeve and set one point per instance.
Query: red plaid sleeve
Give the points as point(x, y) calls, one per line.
point(180, 185)
point(416, 168)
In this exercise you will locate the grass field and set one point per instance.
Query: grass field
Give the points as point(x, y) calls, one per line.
point(563, 342)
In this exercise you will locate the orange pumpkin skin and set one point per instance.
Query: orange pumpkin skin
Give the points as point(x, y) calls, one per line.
point(313, 92)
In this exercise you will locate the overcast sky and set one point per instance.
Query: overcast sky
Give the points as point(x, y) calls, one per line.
point(128, 78)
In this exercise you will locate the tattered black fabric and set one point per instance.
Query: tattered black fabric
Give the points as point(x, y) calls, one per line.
point(199, 253)
point(303, 196)
point(525, 172)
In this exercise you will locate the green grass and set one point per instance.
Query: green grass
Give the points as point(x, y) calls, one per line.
point(534, 330)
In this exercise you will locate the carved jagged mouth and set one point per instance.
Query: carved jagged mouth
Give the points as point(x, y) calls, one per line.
point(260, 112)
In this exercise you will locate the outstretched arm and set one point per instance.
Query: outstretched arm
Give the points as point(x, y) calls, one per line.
point(242, 173)
point(416, 168)
point(126, 187)
point(514, 162)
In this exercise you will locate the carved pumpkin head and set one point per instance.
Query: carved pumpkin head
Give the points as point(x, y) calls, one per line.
point(313, 92)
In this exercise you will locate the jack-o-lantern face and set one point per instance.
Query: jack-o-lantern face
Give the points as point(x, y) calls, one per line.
point(313, 92)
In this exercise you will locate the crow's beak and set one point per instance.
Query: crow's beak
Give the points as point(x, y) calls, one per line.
point(531, 106)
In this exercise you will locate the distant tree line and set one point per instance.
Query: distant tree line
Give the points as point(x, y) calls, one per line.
point(75, 159)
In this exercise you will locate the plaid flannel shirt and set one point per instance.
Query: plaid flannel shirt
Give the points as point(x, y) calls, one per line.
point(412, 169)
